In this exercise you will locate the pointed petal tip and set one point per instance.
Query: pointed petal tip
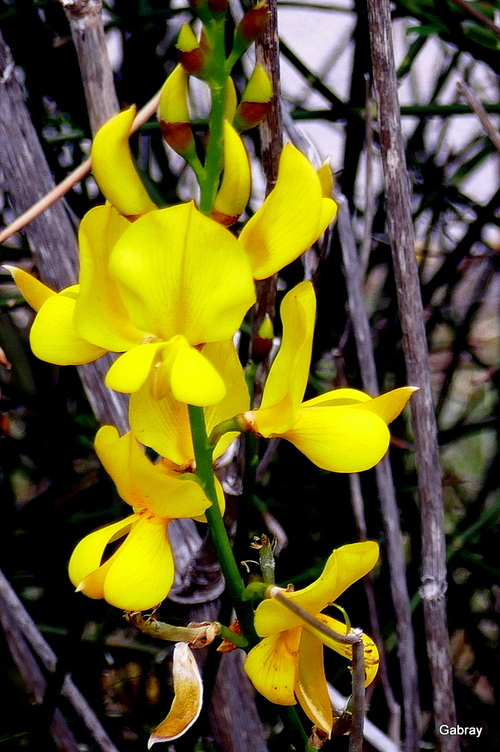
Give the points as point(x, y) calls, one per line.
point(79, 588)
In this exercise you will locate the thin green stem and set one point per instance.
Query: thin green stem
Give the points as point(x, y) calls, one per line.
point(217, 81)
point(203, 452)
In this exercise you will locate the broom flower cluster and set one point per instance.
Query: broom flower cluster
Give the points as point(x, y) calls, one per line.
point(166, 290)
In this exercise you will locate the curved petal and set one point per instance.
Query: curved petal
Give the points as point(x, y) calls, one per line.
point(164, 424)
point(311, 688)
point(191, 377)
point(85, 569)
point(337, 398)
point(289, 372)
point(234, 191)
point(141, 484)
point(143, 571)
point(339, 439)
point(371, 654)
point(272, 666)
point(129, 372)
point(289, 220)
point(345, 566)
point(100, 314)
point(225, 360)
point(190, 277)
point(389, 405)
point(54, 338)
point(114, 168)
point(33, 291)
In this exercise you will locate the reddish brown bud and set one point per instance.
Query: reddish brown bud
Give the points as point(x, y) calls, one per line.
point(250, 114)
point(253, 23)
point(177, 135)
point(218, 6)
point(193, 61)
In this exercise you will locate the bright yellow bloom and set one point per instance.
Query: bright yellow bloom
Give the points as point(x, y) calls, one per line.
point(140, 572)
point(287, 665)
point(344, 430)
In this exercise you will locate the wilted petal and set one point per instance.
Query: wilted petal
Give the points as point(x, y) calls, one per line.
point(345, 566)
point(289, 372)
point(54, 338)
point(311, 688)
point(85, 569)
point(182, 273)
point(142, 571)
point(129, 372)
point(371, 655)
point(272, 666)
point(158, 488)
point(100, 314)
point(114, 168)
point(188, 697)
point(339, 439)
point(291, 218)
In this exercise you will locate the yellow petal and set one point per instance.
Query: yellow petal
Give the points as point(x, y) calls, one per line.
point(158, 488)
point(311, 688)
point(337, 398)
point(272, 666)
point(236, 183)
point(225, 360)
point(221, 499)
point(345, 566)
point(33, 291)
point(289, 372)
point(325, 176)
point(87, 556)
point(389, 405)
point(371, 655)
point(114, 168)
point(143, 571)
point(188, 697)
point(100, 314)
point(340, 439)
point(190, 276)
point(173, 104)
point(290, 219)
point(54, 338)
point(129, 372)
point(191, 377)
point(164, 424)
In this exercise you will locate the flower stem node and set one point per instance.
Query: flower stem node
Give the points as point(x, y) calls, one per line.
point(255, 102)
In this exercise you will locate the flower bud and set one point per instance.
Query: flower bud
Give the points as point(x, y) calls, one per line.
point(263, 341)
point(190, 52)
point(173, 113)
point(235, 186)
point(249, 29)
point(325, 175)
point(255, 102)
point(114, 169)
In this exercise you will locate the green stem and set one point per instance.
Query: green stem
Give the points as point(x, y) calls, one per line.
point(203, 455)
point(217, 82)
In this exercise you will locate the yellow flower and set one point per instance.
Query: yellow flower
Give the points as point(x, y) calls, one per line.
point(344, 430)
point(287, 665)
point(139, 574)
